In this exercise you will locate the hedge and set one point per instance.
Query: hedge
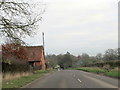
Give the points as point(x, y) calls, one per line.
point(15, 67)
point(111, 63)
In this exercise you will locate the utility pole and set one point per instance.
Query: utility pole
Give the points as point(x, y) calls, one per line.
point(43, 49)
point(43, 39)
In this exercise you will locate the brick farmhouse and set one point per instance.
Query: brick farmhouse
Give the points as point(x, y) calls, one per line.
point(34, 55)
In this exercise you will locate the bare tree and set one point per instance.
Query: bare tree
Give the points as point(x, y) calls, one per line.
point(84, 56)
point(99, 56)
point(111, 54)
point(17, 20)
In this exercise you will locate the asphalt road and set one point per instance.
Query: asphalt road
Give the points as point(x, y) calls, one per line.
point(73, 79)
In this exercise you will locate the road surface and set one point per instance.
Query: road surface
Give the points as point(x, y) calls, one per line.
point(73, 79)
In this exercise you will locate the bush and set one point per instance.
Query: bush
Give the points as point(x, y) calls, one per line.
point(111, 64)
point(15, 67)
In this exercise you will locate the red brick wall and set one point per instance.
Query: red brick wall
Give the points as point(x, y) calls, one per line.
point(43, 61)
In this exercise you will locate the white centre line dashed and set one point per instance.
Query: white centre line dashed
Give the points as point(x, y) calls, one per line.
point(79, 80)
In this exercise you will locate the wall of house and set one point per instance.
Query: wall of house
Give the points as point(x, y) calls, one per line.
point(43, 61)
point(36, 53)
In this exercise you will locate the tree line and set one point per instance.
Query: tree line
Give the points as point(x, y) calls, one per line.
point(70, 61)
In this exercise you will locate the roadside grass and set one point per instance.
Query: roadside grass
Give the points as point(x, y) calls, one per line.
point(96, 70)
point(19, 82)
point(111, 73)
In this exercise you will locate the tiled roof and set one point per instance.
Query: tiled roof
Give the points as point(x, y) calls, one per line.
point(34, 52)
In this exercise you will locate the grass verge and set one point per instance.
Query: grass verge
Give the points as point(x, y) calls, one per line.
point(111, 73)
point(19, 82)
point(96, 70)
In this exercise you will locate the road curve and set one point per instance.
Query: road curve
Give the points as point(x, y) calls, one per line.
point(73, 79)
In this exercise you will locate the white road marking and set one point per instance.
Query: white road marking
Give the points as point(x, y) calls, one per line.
point(79, 80)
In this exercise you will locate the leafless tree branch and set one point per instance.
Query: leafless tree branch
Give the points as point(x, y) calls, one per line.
point(16, 20)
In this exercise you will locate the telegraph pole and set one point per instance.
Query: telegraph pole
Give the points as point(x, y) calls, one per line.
point(43, 48)
point(43, 39)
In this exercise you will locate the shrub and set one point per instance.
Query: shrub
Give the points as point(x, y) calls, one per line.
point(111, 64)
point(15, 67)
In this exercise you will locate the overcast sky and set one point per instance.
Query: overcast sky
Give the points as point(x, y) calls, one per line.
point(78, 26)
